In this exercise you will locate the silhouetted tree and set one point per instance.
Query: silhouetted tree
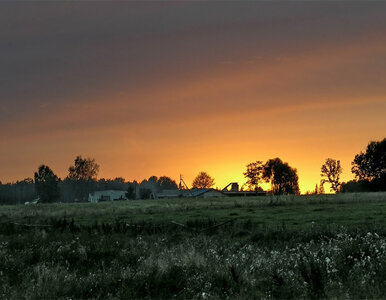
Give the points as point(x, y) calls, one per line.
point(152, 179)
point(150, 184)
point(118, 184)
point(166, 183)
point(361, 186)
point(46, 184)
point(145, 193)
point(254, 175)
point(371, 164)
point(17, 193)
point(283, 178)
point(83, 169)
point(203, 181)
point(25, 190)
point(119, 180)
point(130, 194)
point(330, 172)
point(81, 179)
point(155, 185)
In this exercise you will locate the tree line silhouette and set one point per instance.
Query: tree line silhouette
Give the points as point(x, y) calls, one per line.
point(368, 167)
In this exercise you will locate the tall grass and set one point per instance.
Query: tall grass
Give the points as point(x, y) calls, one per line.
point(232, 261)
point(103, 251)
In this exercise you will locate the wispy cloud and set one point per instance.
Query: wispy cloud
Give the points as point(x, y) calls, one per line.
point(166, 80)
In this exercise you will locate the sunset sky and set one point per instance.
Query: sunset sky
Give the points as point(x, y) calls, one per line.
point(176, 88)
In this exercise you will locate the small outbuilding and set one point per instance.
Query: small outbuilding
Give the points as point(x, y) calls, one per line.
point(107, 195)
point(169, 194)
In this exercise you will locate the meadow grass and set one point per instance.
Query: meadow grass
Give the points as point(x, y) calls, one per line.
point(295, 211)
point(324, 246)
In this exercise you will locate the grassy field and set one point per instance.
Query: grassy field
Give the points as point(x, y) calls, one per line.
point(322, 246)
point(293, 211)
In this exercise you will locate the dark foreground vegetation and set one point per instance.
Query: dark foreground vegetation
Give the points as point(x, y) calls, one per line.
point(276, 247)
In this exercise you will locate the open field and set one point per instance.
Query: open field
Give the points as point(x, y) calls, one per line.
point(293, 211)
point(323, 246)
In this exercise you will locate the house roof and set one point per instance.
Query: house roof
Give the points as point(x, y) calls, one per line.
point(199, 192)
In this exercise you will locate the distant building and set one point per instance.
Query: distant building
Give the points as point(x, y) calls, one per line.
point(207, 193)
point(235, 192)
point(194, 193)
point(108, 195)
point(170, 194)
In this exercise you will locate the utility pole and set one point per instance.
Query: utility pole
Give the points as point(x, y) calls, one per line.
point(183, 185)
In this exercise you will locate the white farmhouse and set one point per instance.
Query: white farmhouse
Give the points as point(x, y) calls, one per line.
point(108, 195)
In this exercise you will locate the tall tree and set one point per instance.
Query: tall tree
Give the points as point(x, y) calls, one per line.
point(254, 174)
point(283, 178)
point(83, 169)
point(81, 179)
point(371, 164)
point(150, 184)
point(46, 184)
point(203, 181)
point(166, 183)
point(330, 172)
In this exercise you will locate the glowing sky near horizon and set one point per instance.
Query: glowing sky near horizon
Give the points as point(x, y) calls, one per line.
point(170, 88)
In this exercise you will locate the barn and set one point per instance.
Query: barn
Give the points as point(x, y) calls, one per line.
point(107, 195)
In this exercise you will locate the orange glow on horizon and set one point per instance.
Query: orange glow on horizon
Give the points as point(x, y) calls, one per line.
point(150, 97)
